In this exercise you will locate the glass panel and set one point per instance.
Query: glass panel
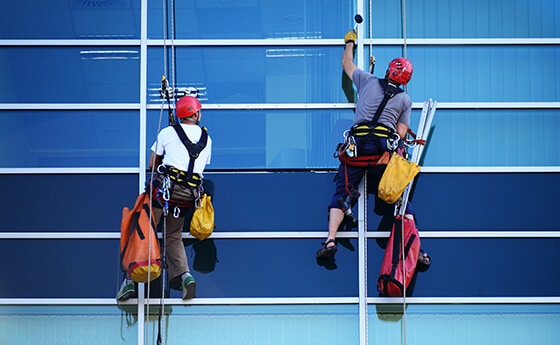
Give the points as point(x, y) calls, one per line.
point(494, 138)
point(464, 74)
point(481, 267)
point(465, 324)
point(66, 325)
point(76, 268)
point(70, 19)
point(66, 202)
point(476, 202)
point(460, 137)
point(69, 75)
point(104, 325)
point(479, 19)
point(253, 74)
point(250, 19)
point(271, 139)
point(245, 268)
point(263, 324)
point(61, 138)
point(305, 195)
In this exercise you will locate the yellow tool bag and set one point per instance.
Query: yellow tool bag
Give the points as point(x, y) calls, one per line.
point(396, 177)
point(202, 222)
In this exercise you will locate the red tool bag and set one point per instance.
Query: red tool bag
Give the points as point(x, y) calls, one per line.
point(391, 280)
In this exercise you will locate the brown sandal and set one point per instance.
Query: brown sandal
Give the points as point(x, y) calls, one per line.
point(327, 252)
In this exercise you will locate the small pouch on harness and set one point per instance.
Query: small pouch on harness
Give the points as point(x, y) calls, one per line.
point(397, 176)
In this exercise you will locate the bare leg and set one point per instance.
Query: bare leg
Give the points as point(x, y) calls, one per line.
point(336, 216)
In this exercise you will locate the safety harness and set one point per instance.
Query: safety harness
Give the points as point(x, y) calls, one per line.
point(184, 179)
point(187, 178)
point(347, 152)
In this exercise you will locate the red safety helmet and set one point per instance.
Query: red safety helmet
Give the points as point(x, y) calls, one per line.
point(187, 106)
point(399, 70)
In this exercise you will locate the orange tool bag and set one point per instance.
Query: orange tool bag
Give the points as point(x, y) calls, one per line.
point(140, 252)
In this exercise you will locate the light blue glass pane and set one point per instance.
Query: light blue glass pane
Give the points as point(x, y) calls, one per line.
point(255, 139)
point(494, 138)
point(69, 19)
point(254, 74)
point(104, 325)
point(69, 75)
point(37, 139)
point(264, 324)
point(485, 73)
point(465, 324)
point(66, 325)
point(481, 19)
point(251, 19)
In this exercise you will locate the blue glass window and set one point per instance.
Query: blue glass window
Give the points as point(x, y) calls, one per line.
point(255, 139)
point(258, 273)
point(70, 75)
point(73, 19)
point(485, 19)
point(255, 74)
point(252, 20)
point(494, 138)
point(66, 202)
point(464, 267)
point(484, 73)
point(63, 138)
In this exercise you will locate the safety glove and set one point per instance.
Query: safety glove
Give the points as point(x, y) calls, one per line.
point(350, 37)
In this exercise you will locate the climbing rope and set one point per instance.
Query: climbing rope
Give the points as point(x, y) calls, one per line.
point(405, 278)
point(371, 56)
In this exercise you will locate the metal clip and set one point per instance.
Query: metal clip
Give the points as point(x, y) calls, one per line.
point(393, 143)
point(166, 184)
point(176, 212)
point(351, 148)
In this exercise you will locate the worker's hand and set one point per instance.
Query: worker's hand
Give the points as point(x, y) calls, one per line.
point(350, 37)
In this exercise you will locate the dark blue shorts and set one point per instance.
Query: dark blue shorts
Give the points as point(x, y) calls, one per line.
point(348, 177)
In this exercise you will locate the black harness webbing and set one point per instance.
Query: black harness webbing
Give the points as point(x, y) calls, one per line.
point(389, 92)
point(372, 128)
point(193, 149)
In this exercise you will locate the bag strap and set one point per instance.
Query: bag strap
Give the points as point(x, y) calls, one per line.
point(389, 92)
point(193, 149)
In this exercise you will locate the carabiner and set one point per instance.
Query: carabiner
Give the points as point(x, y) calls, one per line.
point(166, 184)
point(176, 212)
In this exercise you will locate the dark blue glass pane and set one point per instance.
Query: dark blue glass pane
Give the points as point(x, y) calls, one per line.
point(443, 202)
point(66, 202)
point(481, 268)
point(249, 268)
point(70, 75)
point(509, 202)
point(245, 268)
point(73, 19)
point(61, 138)
point(254, 74)
point(251, 20)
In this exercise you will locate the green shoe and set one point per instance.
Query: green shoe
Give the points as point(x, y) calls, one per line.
point(188, 286)
point(126, 290)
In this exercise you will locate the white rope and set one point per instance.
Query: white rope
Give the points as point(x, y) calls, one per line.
point(371, 57)
point(365, 259)
point(404, 206)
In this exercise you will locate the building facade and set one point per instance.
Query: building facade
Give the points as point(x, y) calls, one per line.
point(80, 106)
